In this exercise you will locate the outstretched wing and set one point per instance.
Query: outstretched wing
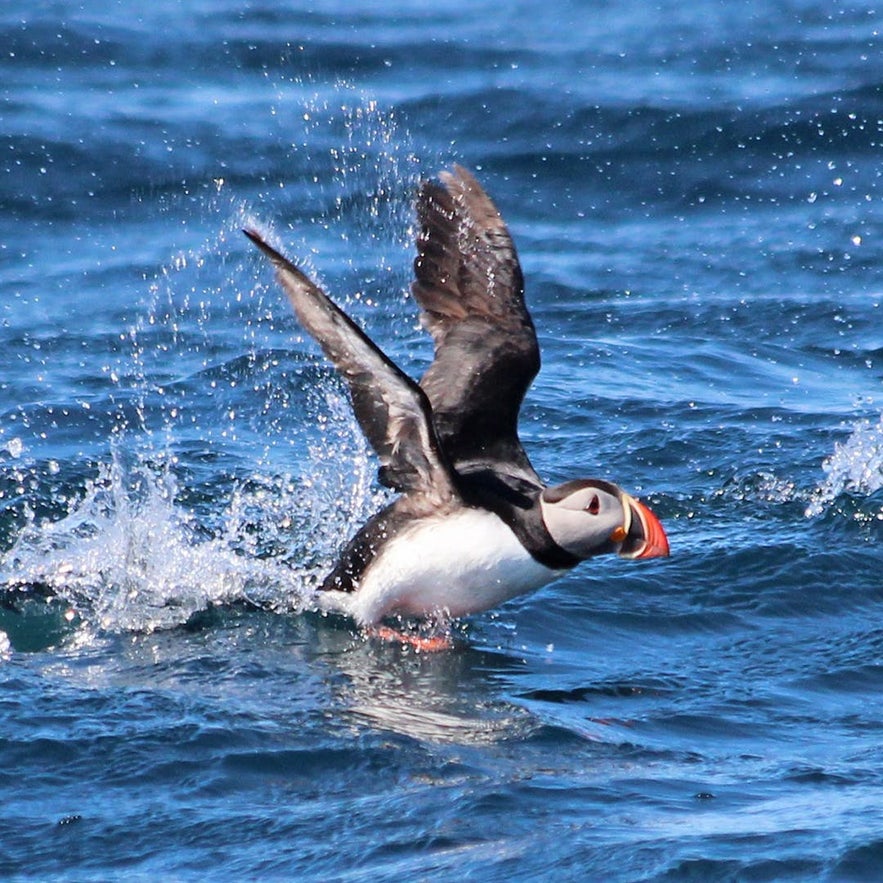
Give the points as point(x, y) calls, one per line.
point(471, 289)
point(392, 410)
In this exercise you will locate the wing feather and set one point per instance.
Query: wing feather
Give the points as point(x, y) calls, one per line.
point(392, 410)
point(469, 284)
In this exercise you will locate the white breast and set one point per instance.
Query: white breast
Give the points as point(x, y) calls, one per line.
point(460, 564)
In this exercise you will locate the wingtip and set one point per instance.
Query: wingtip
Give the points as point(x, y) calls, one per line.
point(261, 243)
point(461, 183)
point(461, 172)
point(253, 235)
point(276, 257)
point(293, 280)
point(454, 182)
point(449, 176)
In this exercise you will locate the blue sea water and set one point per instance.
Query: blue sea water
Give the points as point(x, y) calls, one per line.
point(695, 191)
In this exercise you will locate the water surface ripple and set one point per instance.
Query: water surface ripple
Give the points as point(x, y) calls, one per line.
point(695, 193)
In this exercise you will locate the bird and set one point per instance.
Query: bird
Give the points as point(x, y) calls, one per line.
point(473, 525)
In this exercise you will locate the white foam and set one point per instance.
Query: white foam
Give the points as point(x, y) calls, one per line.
point(128, 557)
point(856, 466)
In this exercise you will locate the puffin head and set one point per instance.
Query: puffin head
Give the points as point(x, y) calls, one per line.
point(590, 517)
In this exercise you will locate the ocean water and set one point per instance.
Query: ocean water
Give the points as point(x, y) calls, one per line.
point(696, 194)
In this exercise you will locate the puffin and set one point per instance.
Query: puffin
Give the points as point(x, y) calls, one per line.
point(473, 524)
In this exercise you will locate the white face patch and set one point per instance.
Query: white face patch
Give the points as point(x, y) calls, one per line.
point(585, 520)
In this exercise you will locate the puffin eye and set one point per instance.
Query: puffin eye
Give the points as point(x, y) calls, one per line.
point(594, 506)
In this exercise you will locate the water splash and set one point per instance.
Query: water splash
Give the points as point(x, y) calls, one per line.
point(127, 557)
point(852, 485)
point(227, 468)
point(132, 555)
point(856, 466)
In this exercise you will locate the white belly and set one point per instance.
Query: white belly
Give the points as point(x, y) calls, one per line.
point(457, 565)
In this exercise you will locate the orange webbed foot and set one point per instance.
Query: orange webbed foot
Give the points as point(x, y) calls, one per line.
point(421, 643)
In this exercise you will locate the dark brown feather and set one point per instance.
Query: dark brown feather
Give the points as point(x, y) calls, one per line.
point(392, 410)
point(469, 283)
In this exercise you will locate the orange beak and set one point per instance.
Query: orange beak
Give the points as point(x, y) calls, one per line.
point(645, 537)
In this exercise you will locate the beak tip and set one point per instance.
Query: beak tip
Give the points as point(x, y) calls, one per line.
point(655, 542)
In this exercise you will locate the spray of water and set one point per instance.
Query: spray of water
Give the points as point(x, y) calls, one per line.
point(233, 468)
point(130, 555)
point(856, 466)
